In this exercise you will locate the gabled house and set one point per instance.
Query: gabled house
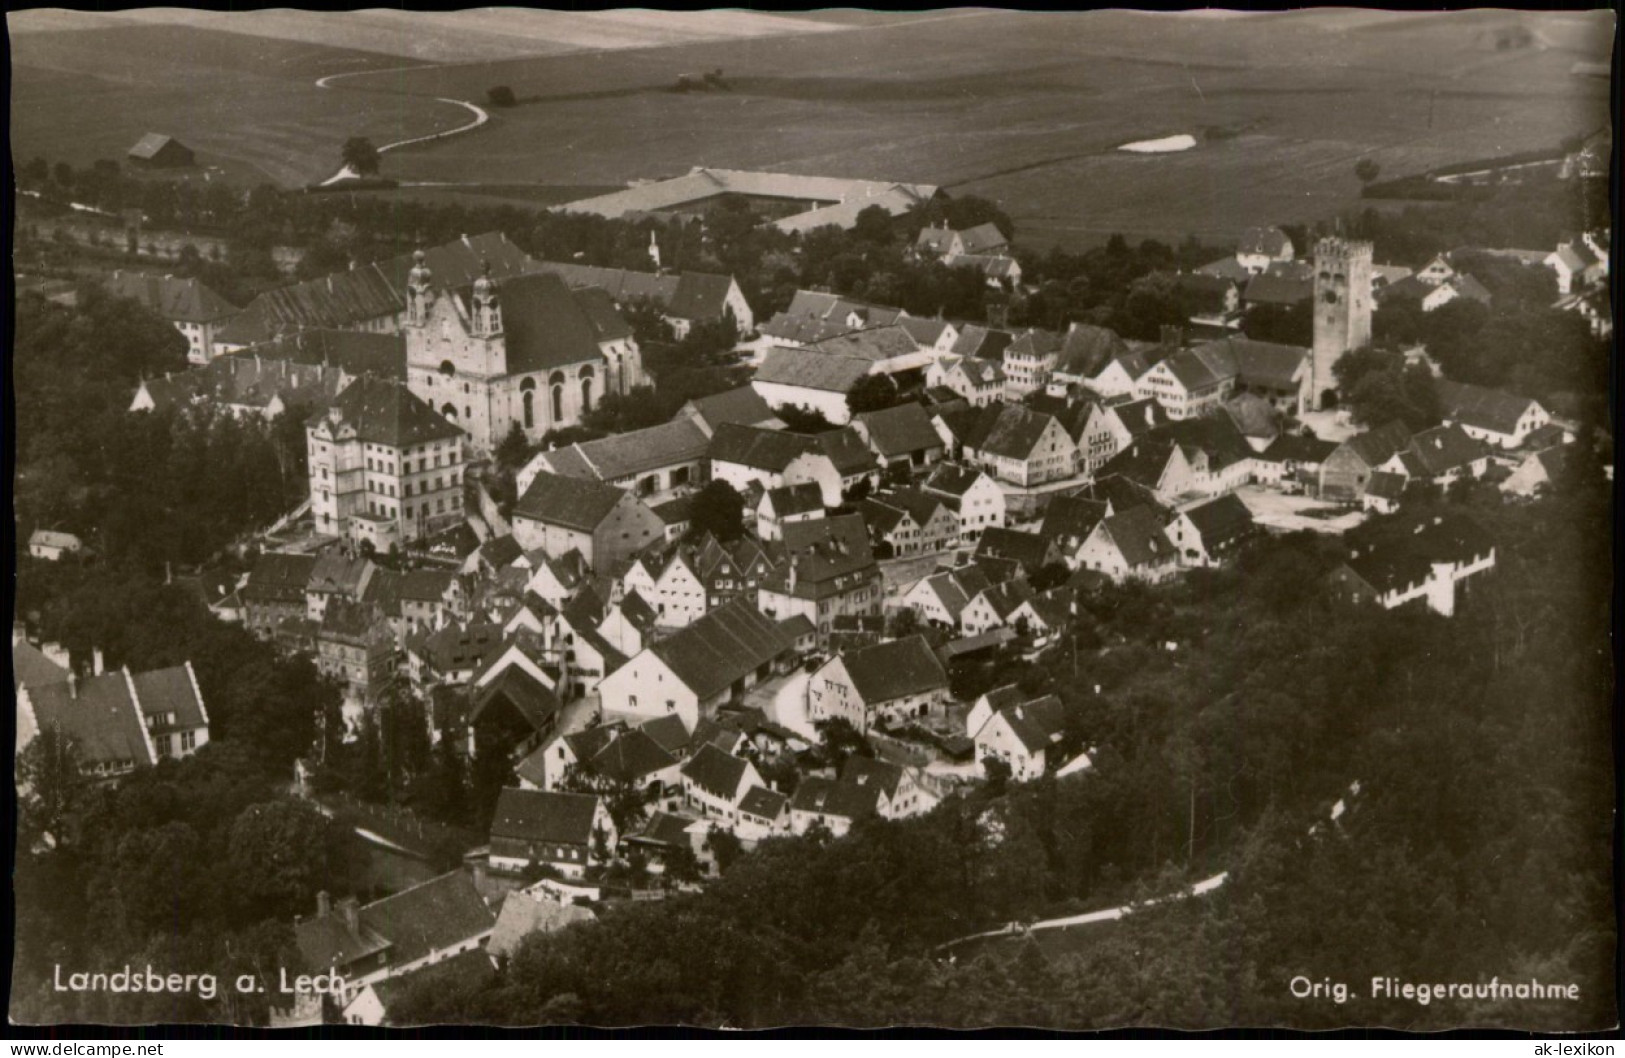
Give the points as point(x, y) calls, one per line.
point(1033, 551)
point(1442, 456)
point(1043, 616)
point(1210, 532)
point(747, 455)
point(909, 522)
point(546, 766)
point(1029, 361)
point(650, 462)
point(833, 805)
point(419, 926)
point(606, 524)
point(1068, 521)
point(514, 710)
point(116, 721)
point(942, 597)
point(995, 607)
point(1540, 471)
point(980, 382)
point(901, 794)
point(1423, 560)
point(810, 378)
point(1010, 442)
point(549, 829)
point(763, 813)
point(1489, 415)
point(974, 497)
point(900, 435)
point(696, 669)
point(1384, 492)
point(828, 570)
point(1129, 545)
point(715, 783)
point(947, 243)
point(1345, 472)
point(889, 684)
point(788, 503)
point(1086, 350)
point(1023, 736)
point(742, 406)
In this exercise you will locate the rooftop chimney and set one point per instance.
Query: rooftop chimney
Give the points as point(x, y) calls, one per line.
point(352, 913)
point(73, 684)
point(324, 904)
point(96, 665)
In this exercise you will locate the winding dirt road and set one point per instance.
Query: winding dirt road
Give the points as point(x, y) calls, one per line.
point(480, 118)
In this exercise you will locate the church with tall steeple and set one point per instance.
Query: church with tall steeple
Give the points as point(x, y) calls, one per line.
point(526, 352)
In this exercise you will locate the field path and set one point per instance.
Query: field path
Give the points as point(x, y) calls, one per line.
point(480, 118)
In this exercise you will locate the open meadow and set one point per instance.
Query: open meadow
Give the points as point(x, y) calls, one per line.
point(1024, 108)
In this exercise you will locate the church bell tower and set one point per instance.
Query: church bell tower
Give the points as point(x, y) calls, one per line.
point(1342, 309)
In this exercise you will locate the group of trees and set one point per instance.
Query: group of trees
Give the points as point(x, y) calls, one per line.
point(173, 485)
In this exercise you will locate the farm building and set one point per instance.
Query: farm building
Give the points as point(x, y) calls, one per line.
point(157, 151)
point(792, 203)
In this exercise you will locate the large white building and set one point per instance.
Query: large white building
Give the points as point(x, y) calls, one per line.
point(532, 354)
point(384, 468)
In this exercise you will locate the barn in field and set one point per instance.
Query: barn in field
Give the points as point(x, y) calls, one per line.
point(157, 151)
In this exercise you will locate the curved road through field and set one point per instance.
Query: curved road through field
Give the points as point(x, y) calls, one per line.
point(480, 118)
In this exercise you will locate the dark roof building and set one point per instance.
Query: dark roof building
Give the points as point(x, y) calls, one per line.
point(897, 669)
point(157, 151)
point(575, 503)
point(722, 647)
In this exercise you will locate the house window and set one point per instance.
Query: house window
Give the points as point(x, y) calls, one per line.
point(188, 741)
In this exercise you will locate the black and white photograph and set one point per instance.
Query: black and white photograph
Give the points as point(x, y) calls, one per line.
point(839, 519)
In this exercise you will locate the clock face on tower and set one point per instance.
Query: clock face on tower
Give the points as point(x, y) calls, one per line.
point(1331, 297)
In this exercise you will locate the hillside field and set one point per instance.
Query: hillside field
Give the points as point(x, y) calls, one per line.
point(1024, 108)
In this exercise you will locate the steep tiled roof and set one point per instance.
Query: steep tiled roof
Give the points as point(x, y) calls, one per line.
point(1480, 406)
point(1006, 597)
point(1386, 486)
point(387, 413)
point(623, 455)
point(1278, 290)
point(438, 914)
point(846, 449)
point(1086, 350)
point(827, 797)
point(532, 699)
point(574, 503)
point(812, 370)
point(902, 430)
point(743, 405)
point(723, 646)
point(873, 344)
point(1221, 521)
point(541, 816)
point(763, 803)
point(952, 479)
point(99, 714)
point(754, 447)
point(796, 499)
point(150, 144)
point(1139, 537)
point(984, 342)
point(171, 692)
point(1376, 446)
point(30, 665)
point(357, 295)
point(353, 352)
point(895, 670)
point(667, 731)
point(1037, 723)
point(871, 771)
point(715, 772)
point(1388, 557)
point(1071, 518)
point(278, 577)
point(182, 300)
point(547, 325)
point(1029, 549)
point(1143, 462)
point(522, 915)
point(823, 552)
point(1444, 448)
point(1007, 430)
point(631, 757)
